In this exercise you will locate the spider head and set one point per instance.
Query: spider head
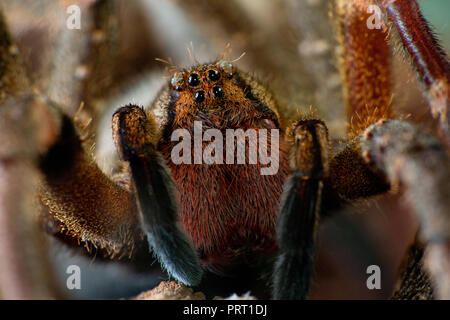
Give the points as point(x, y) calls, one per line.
point(203, 85)
point(221, 95)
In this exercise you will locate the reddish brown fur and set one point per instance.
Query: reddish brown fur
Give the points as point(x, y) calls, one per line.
point(430, 60)
point(365, 66)
point(228, 210)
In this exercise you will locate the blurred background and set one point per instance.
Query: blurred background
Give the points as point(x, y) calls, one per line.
point(288, 44)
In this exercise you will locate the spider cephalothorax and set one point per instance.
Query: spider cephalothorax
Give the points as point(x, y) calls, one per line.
point(218, 176)
point(231, 193)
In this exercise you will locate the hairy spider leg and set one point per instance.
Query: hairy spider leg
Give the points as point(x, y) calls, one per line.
point(365, 65)
point(80, 204)
point(395, 152)
point(429, 59)
point(415, 159)
point(135, 135)
point(299, 210)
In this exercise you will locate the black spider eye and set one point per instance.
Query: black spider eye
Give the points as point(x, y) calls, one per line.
point(194, 80)
point(213, 75)
point(177, 81)
point(218, 92)
point(199, 96)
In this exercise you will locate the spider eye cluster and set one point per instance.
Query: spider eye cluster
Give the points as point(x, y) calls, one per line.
point(193, 82)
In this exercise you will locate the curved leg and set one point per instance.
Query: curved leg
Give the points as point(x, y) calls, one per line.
point(413, 158)
point(299, 214)
point(134, 134)
point(429, 59)
point(80, 204)
point(365, 66)
point(399, 159)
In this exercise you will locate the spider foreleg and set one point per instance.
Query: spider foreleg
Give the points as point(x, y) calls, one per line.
point(298, 218)
point(135, 135)
point(429, 58)
point(80, 204)
point(416, 160)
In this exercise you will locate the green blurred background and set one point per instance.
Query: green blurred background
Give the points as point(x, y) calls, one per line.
point(438, 12)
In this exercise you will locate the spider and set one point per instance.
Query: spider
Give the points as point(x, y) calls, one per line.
point(206, 221)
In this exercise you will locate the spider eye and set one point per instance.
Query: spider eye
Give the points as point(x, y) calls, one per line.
point(228, 68)
point(218, 92)
point(177, 81)
point(213, 75)
point(199, 96)
point(194, 80)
